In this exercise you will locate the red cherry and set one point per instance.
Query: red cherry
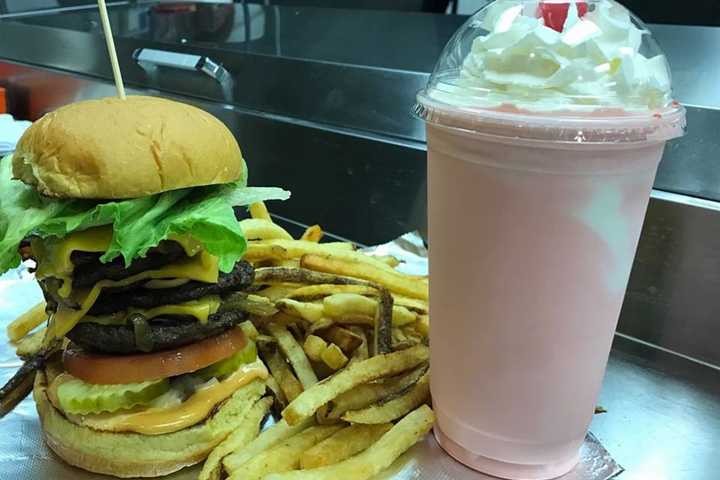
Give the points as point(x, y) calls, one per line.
point(555, 14)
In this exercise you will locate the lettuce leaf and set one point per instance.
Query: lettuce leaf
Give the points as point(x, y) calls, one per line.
point(205, 213)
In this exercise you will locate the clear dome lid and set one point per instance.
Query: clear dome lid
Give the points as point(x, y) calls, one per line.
point(554, 59)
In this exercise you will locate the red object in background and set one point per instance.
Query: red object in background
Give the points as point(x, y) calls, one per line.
point(175, 8)
point(3, 102)
point(555, 14)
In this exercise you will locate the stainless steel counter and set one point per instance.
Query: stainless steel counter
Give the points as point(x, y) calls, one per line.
point(663, 418)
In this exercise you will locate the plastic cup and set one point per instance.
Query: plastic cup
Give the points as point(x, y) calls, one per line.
point(534, 219)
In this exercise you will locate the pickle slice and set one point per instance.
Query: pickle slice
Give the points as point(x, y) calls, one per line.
point(81, 398)
point(247, 354)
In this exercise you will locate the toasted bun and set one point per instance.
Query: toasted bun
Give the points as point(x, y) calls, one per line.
point(115, 149)
point(135, 455)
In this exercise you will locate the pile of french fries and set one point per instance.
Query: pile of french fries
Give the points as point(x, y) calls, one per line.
point(345, 338)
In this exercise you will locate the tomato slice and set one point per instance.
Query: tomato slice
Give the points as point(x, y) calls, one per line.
point(117, 369)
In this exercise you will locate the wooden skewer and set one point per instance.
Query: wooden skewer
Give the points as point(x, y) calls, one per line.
point(111, 49)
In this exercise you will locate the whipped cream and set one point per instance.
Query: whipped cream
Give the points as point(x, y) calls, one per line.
point(594, 62)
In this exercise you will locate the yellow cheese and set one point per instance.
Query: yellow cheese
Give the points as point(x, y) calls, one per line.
point(53, 254)
point(202, 267)
point(157, 421)
point(201, 309)
point(191, 246)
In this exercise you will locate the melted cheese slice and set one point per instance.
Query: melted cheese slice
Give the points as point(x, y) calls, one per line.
point(54, 254)
point(202, 267)
point(201, 309)
point(157, 421)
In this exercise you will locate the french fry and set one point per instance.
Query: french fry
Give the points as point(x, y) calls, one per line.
point(398, 336)
point(293, 263)
point(314, 347)
point(281, 318)
point(367, 394)
point(308, 402)
point(285, 456)
point(343, 444)
point(343, 338)
point(262, 229)
point(342, 251)
point(265, 341)
point(334, 357)
point(395, 281)
point(361, 352)
point(423, 325)
point(380, 263)
point(412, 334)
point(363, 466)
point(283, 275)
point(26, 322)
point(296, 329)
point(350, 306)
point(274, 435)
point(382, 331)
point(388, 260)
point(320, 325)
point(257, 252)
point(418, 306)
point(277, 291)
point(239, 438)
point(280, 400)
point(312, 312)
point(280, 371)
point(280, 249)
point(295, 355)
point(315, 292)
point(259, 210)
point(382, 340)
point(257, 305)
point(353, 308)
point(312, 234)
point(249, 330)
point(30, 345)
point(392, 409)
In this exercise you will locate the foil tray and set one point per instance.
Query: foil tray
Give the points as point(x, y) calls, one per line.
point(24, 455)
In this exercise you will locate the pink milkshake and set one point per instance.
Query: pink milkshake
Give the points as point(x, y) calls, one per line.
point(545, 127)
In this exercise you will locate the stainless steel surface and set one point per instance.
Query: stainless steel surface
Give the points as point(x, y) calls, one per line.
point(695, 60)
point(150, 59)
point(24, 8)
point(672, 298)
point(689, 165)
point(663, 419)
point(333, 94)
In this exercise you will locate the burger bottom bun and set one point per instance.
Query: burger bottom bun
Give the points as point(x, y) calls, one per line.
point(134, 455)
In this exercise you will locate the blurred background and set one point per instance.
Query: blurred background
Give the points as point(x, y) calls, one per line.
point(696, 12)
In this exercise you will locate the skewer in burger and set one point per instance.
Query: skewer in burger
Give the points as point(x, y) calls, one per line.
point(126, 207)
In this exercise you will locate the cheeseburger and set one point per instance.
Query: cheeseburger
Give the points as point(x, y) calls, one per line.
point(126, 209)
